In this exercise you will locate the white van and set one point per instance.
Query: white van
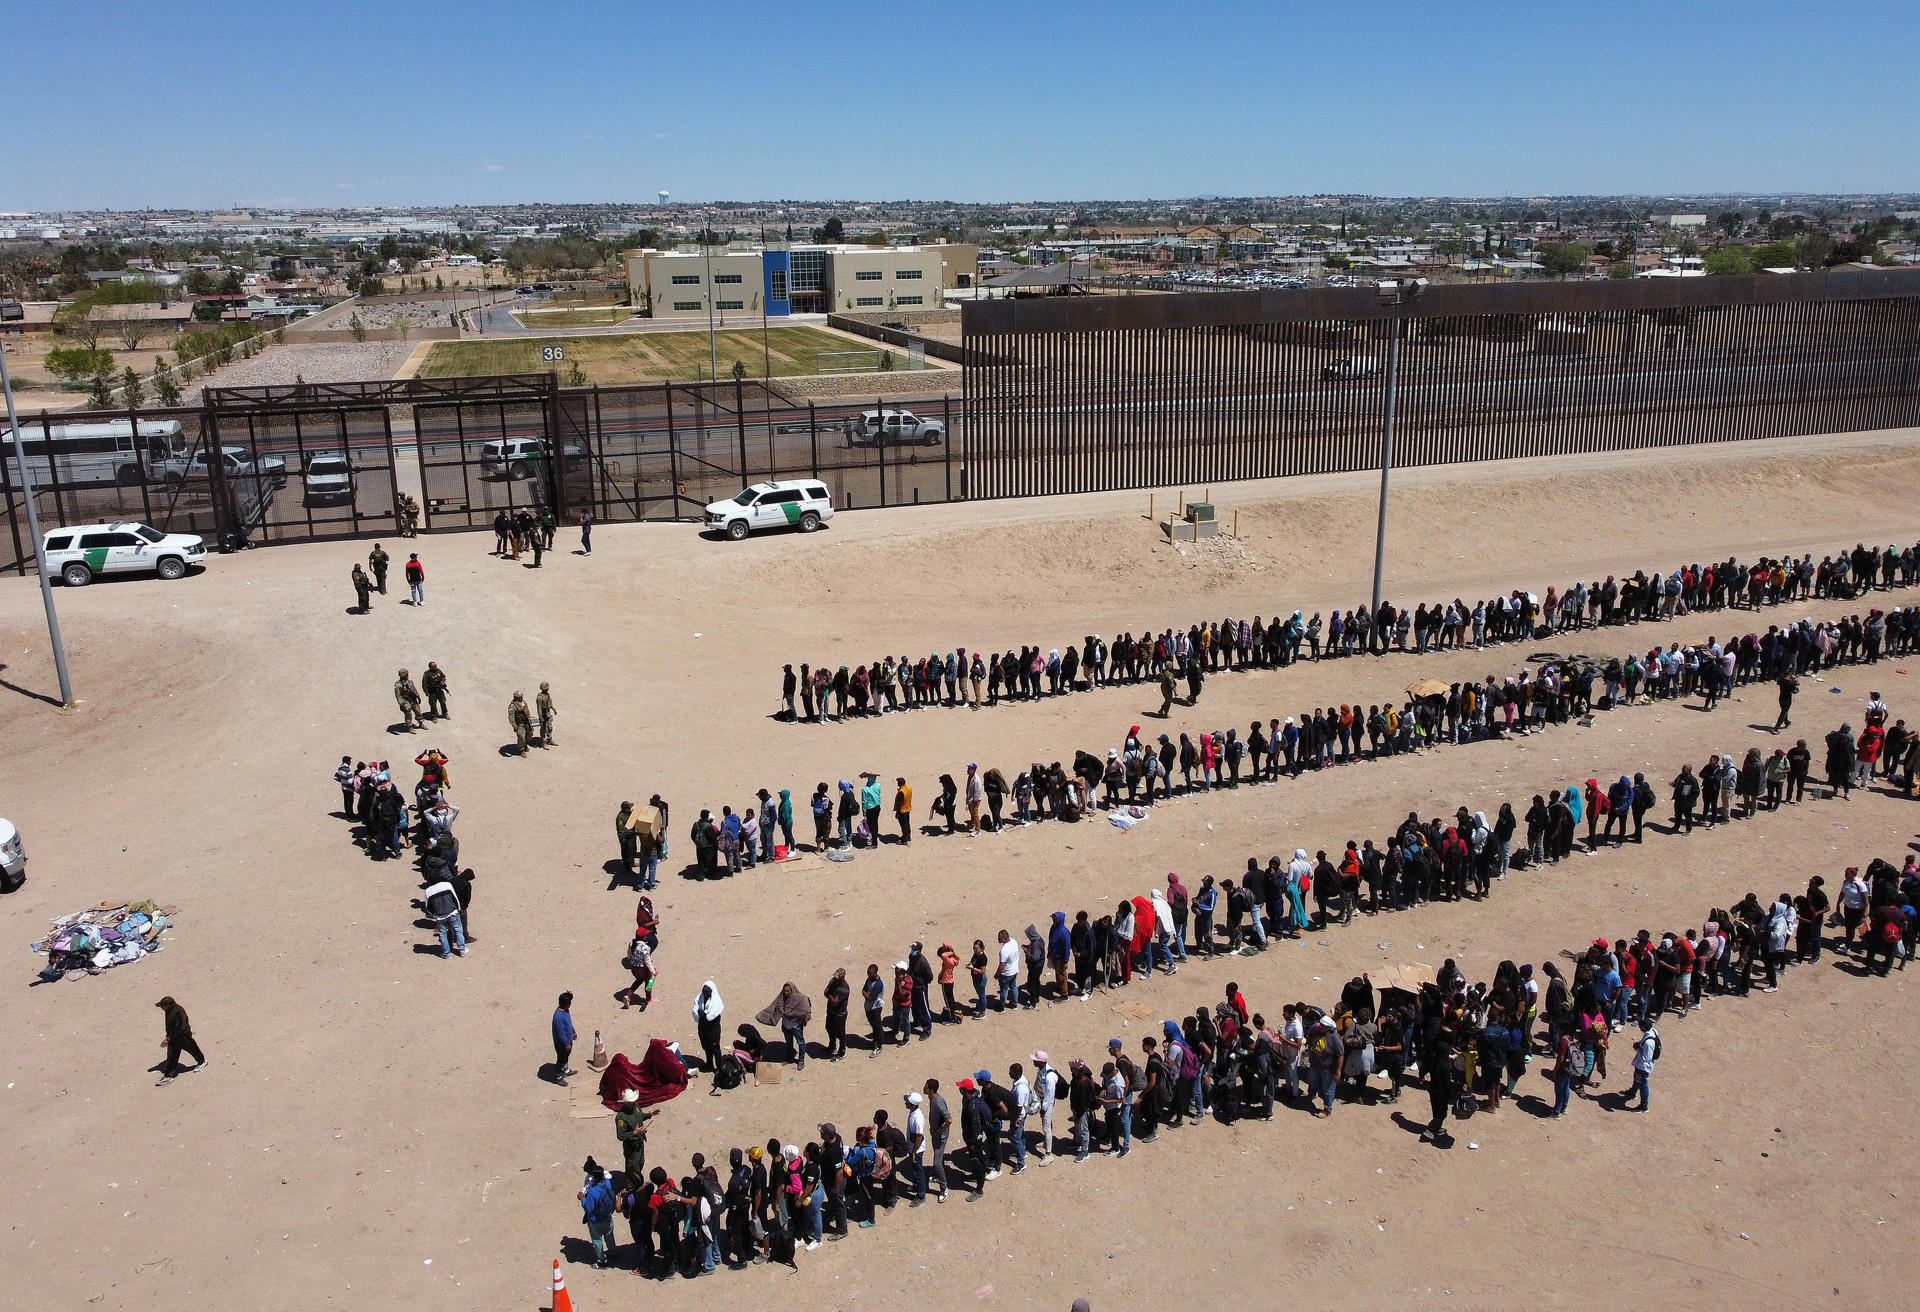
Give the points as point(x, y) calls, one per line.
point(803, 504)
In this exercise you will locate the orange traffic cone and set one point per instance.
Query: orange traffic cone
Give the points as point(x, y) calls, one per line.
point(598, 1061)
point(561, 1303)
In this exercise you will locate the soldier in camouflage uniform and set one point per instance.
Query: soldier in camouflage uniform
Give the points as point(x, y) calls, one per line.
point(363, 589)
point(544, 704)
point(408, 697)
point(377, 562)
point(520, 720)
point(434, 684)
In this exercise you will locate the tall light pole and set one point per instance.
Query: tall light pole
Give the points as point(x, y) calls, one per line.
point(706, 250)
point(12, 310)
point(1394, 296)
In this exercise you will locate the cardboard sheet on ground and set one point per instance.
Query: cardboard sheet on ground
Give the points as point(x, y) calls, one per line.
point(583, 1101)
point(1134, 1011)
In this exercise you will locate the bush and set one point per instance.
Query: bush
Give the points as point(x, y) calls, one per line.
point(75, 363)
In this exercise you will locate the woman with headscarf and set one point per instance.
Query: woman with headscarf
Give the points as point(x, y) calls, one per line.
point(791, 1011)
point(1121, 945)
point(1299, 882)
point(707, 1009)
point(1752, 773)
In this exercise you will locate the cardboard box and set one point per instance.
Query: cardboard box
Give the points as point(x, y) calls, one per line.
point(647, 822)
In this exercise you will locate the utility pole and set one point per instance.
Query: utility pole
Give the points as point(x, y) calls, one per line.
point(33, 519)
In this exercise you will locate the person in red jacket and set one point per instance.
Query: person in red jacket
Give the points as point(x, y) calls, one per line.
point(1866, 753)
point(416, 578)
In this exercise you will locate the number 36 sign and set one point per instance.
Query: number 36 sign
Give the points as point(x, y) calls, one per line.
point(553, 354)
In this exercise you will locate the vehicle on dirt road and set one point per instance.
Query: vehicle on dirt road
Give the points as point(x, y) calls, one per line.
point(802, 504)
point(78, 555)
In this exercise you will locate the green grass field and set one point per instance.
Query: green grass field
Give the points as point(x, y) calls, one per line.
point(639, 357)
point(576, 317)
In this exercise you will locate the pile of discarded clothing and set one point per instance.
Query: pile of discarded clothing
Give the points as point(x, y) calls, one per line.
point(109, 935)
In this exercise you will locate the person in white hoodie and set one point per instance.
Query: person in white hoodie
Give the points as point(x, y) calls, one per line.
point(1041, 1105)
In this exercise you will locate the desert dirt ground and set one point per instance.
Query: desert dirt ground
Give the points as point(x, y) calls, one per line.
point(374, 1131)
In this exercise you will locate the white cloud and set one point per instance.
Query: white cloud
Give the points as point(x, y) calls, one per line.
point(344, 186)
point(494, 168)
point(659, 136)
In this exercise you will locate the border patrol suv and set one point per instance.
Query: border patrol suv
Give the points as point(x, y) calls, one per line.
point(78, 554)
point(804, 504)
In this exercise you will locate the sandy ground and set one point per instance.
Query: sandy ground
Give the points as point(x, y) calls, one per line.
point(374, 1132)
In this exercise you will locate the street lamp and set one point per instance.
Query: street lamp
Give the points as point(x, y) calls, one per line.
point(1394, 295)
point(706, 249)
point(11, 311)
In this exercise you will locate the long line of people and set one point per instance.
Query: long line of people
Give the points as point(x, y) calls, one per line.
point(959, 677)
point(1468, 1046)
point(1139, 772)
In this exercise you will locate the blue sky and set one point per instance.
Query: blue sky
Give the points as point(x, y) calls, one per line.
point(116, 104)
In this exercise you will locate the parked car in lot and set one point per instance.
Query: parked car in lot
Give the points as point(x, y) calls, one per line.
point(330, 477)
point(521, 457)
point(803, 504)
point(893, 428)
point(1356, 366)
point(13, 858)
point(238, 462)
point(77, 555)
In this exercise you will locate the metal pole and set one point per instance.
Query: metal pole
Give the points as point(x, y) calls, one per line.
point(1386, 453)
point(33, 531)
point(706, 250)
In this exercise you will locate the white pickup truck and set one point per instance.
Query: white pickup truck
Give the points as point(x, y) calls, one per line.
point(238, 462)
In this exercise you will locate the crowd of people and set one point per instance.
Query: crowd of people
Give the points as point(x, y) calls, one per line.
point(387, 822)
point(1468, 1045)
point(1140, 771)
point(1172, 656)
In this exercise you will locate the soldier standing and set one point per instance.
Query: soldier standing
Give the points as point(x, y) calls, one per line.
point(409, 698)
point(434, 684)
point(377, 562)
point(537, 539)
point(547, 526)
point(520, 721)
point(1167, 689)
point(363, 588)
point(544, 703)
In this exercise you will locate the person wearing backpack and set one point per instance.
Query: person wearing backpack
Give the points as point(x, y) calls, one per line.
point(1048, 1088)
point(1645, 1053)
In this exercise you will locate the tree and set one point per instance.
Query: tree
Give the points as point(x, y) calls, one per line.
point(1564, 258)
point(576, 376)
point(1812, 249)
point(76, 363)
point(230, 285)
point(1621, 270)
point(739, 370)
point(131, 329)
point(1728, 222)
point(165, 390)
point(358, 329)
point(1729, 261)
point(832, 230)
point(79, 322)
point(100, 391)
point(130, 387)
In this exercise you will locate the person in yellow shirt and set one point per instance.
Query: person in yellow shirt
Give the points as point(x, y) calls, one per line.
point(902, 809)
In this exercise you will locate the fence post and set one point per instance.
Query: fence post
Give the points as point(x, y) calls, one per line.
point(146, 497)
point(556, 448)
point(673, 451)
point(740, 423)
point(13, 516)
point(880, 443)
point(946, 441)
point(813, 438)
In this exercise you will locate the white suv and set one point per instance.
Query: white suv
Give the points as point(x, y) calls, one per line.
point(805, 505)
point(521, 457)
point(329, 477)
point(893, 428)
point(78, 554)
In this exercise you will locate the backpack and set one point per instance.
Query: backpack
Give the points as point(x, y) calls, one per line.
point(1656, 1044)
point(882, 1164)
point(1059, 1084)
point(726, 1072)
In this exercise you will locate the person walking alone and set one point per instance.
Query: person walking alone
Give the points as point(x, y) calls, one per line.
point(416, 579)
point(179, 1039)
